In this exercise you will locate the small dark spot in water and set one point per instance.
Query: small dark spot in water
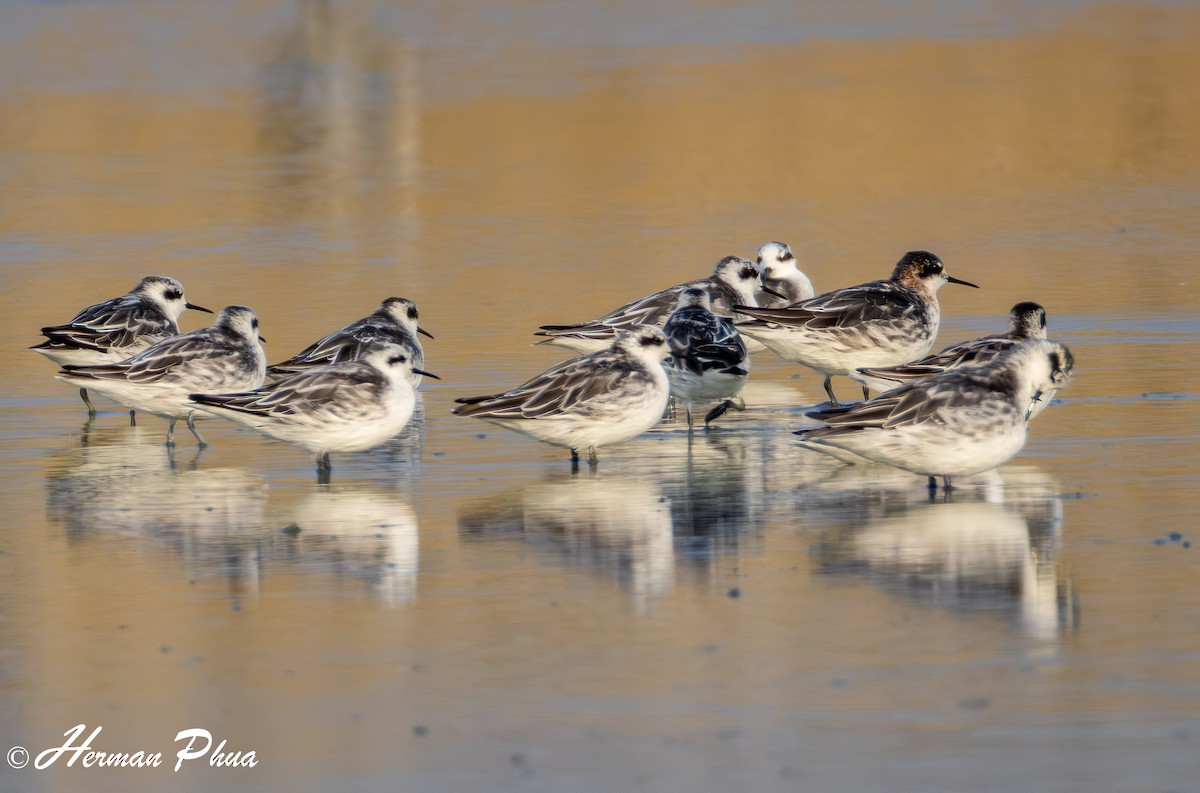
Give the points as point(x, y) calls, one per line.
point(391, 565)
point(1160, 541)
point(164, 649)
point(481, 435)
point(840, 682)
point(709, 648)
point(734, 593)
point(210, 509)
point(1066, 496)
point(420, 730)
point(1122, 230)
point(1102, 542)
point(553, 604)
point(378, 536)
point(439, 454)
point(1187, 544)
point(1174, 536)
point(355, 717)
point(122, 627)
point(291, 530)
point(418, 668)
point(235, 606)
point(973, 704)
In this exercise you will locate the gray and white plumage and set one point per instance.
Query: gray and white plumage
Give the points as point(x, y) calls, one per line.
point(733, 282)
point(595, 400)
point(118, 328)
point(1027, 320)
point(782, 275)
point(708, 360)
point(957, 422)
point(227, 356)
point(879, 323)
point(394, 322)
point(345, 406)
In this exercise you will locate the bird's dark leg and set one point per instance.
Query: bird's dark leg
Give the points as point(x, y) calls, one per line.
point(324, 468)
point(829, 390)
point(717, 412)
point(191, 422)
point(132, 417)
point(946, 484)
point(593, 460)
point(171, 432)
point(866, 393)
point(932, 483)
point(689, 418)
point(83, 394)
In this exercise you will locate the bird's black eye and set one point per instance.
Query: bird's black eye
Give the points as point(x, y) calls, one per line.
point(650, 341)
point(934, 268)
point(1042, 321)
point(787, 256)
point(749, 272)
point(412, 312)
point(254, 324)
point(173, 294)
point(396, 359)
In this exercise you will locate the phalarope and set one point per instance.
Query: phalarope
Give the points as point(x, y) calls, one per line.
point(584, 403)
point(957, 422)
point(880, 323)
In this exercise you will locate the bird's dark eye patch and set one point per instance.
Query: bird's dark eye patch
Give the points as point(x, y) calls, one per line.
point(934, 268)
point(787, 256)
point(397, 359)
point(412, 312)
point(173, 294)
point(1042, 320)
point(650, 341)
point(749, 272)
point(254, 323)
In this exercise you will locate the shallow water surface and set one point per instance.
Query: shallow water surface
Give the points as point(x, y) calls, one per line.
point(457, 610)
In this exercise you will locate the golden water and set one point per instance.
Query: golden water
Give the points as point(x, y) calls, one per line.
point(457, 612)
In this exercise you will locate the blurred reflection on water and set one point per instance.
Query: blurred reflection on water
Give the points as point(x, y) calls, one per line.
point(122, 482)
point(990, 547)
point(356, 533)
point(616, 525)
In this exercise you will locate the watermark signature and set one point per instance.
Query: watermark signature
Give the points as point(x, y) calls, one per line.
point(199, 745)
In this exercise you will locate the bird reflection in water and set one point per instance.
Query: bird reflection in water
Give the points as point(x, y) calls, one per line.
point(991, 548)
point(613, 524)
point(356, 533)
point(667, 514)
point(122, 482)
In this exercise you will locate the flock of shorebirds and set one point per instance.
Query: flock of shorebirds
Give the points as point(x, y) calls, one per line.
point(960, 411)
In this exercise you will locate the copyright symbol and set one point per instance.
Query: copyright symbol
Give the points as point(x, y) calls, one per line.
point(18, 757)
